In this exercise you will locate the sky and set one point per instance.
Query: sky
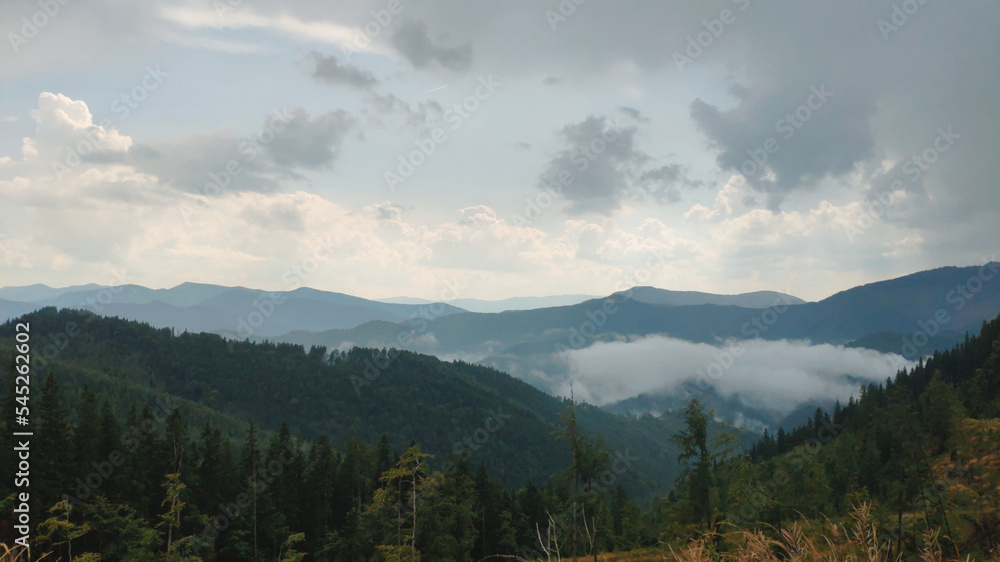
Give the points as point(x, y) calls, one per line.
point(496, 149)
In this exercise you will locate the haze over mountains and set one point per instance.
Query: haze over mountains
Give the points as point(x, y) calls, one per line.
point(894, 307)
point(650, 295)
point(196, 307)
point(514, 303)
point(635, 351)
point(757, 299)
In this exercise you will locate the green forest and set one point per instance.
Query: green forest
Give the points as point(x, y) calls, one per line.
point(150, 445)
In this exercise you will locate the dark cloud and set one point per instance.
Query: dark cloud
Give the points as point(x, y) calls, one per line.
point(895, 180)
point(192, 162)
point(789, 140)
point(329, 69)
point(210, 163)
point(599, 159)
point(420, 116)
point(896, 81)
point(633, 113)
point(413, 42)
point(311, 142)
point(388, 211)
point(601, 166)
point(664, 184)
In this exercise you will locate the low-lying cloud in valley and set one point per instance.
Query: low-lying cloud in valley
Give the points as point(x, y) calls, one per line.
point(772, 375)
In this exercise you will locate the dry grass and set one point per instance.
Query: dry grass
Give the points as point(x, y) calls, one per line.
point(860, 542)
point(802, 542)
point(16, 554)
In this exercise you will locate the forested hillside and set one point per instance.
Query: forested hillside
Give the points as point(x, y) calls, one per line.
point(368, 392)
point(910, 465)
point(914, 460)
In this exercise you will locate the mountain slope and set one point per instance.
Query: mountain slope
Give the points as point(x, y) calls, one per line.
point(12, 309)
point(443, 406)
point(896, 306)
point(649, 295)
point(38, 291)
point(211, 308)
point(758, 299)
point(519, 303)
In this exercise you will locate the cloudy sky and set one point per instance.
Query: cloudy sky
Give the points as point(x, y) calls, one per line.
point(392, 147)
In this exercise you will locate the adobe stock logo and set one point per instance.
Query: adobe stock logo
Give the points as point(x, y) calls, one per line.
point(555, 181)
point(787, 126)
point(900, 16)
point(959, 297)
point(30, 27)
point(701, 41)
point(456, 116)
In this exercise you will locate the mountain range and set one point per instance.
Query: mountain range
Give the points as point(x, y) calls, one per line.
point(514, 303)
point(896, 306)
point(250, 313)
point(196, 307)
point(910, 316)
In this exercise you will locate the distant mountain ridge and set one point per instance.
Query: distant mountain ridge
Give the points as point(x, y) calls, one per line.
point(38, 292)
point(503, 305)
point(200, 307)
point(313, 317)
point(365, 392)
point(197, 307)
point(757, 299)
point(896, 306)
point(650, 295)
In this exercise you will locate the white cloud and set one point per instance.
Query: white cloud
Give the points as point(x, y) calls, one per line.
point(283, 24)
point(193, 41)
point(608, 372)
point(893, 96)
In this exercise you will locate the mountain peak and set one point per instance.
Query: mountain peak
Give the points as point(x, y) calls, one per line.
point(757, 299)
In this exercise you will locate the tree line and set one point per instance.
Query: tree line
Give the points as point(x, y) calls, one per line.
point(909, 455)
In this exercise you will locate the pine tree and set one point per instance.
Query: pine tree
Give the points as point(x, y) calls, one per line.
point(87, 434)
point(175, 443)
point(695, 456)
point(942, 413)
point(211, 473)
point(56, 534)
point(109, 439)
point(571, 433)
point(284, 464)
point(411, 472)
point(250, 466)
point(146, 462)
point(171, 519)
point(318, 492)
point(382, 460)
point(8, 407)
point(52, 443)
point(486, 503)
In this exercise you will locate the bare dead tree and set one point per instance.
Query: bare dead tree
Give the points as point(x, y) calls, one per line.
point(591, 531)
point(550, 544)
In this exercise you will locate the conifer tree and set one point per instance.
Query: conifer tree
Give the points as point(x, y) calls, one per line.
point(695, 456)
point(52, 443)
point(87, 434)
